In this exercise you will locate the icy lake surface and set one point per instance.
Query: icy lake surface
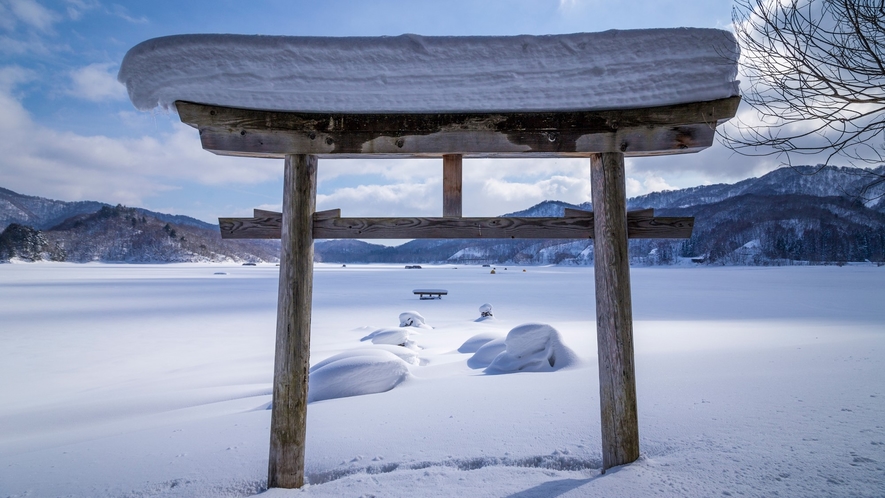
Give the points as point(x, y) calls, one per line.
point(154, 380)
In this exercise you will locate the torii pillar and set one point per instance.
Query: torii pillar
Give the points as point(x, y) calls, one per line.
point(614, 311)
point(288, 427)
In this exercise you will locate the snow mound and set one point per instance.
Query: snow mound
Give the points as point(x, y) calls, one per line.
point(532, 347)
point(484, 356)
point(407, 355)
point(412, 319)
point(615, 69)
point(354, 373)
point(400, 336)
point(485, 313)
point(479, 340)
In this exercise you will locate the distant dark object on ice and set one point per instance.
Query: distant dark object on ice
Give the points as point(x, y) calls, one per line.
point(430, 293)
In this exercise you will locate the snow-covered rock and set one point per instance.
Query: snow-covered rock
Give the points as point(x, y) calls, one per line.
point(532, 347)
point(485, 313)
point(412, 319)
point(354, 373)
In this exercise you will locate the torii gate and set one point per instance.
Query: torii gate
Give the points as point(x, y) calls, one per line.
point(604, 136)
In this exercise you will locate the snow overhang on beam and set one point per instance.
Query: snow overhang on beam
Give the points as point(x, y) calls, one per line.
point(639, 92)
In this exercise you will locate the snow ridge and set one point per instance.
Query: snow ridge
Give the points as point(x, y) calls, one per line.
point(557, 461)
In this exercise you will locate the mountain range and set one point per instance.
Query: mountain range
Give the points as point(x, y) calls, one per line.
point(35, 228)
point(792, 215)
point(803, 214)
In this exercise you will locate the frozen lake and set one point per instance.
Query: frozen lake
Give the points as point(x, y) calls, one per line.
point(153, 380)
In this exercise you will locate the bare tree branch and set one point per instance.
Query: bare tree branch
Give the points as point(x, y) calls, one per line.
point(814, 72)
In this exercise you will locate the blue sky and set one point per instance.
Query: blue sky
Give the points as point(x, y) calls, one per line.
point(69, 132)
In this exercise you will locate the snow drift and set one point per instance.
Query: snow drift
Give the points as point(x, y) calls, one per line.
point(532, 347)
point(354, 373)
point(411, 73)
point(479, 340)
point(486, 353)
point(400, 336)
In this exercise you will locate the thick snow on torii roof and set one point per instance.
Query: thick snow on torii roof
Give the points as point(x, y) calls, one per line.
point(429, 74)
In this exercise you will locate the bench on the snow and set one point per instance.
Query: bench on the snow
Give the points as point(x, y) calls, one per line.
point(430, 293)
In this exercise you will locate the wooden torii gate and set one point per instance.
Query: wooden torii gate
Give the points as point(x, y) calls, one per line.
point(605, 137)
point(594, 95)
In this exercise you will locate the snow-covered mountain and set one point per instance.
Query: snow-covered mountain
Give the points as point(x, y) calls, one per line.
point(94, 231)
point(817, 181)
point(38, 212)
point(802, 214)
point(808, 214)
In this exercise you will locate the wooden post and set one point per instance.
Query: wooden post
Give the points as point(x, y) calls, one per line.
point(289, 414)
point(614, 314)
point(452, 185)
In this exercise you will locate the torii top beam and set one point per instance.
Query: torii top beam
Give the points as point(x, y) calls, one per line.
point(639, 92)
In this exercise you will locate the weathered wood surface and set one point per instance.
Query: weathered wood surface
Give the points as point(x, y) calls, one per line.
point(326, 215)
point(640, 225)
point(263, 213)
point(452, 186)
point(288, 423)
point(635, 132)
point(639, 214)
point(614, 313)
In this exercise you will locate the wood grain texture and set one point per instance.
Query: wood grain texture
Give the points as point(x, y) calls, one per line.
point(614, 313)
point(454, 228)
point(635, 132)
point(263, 213)
point(639, 224)
point(288, 424)
point(327, 214)
point(639, 214)
point(452, 186)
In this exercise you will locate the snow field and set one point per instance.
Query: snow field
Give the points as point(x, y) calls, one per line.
point(154, 381)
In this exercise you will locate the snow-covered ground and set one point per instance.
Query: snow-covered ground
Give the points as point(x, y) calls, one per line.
point(154, 381)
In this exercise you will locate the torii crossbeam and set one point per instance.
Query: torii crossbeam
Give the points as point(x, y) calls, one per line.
point(449, 97)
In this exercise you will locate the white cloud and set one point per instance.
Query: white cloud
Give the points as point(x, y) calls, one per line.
point(401, 170)
point(123, 13)
point(649, 183)
point(30, 13)
point(77, 7)
point(400, 199)
point(7, 21)
point(96, 82)
point(33, 45)
point(559, 187)
point(12, 76)
point(571, 4)
point(37, 160)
